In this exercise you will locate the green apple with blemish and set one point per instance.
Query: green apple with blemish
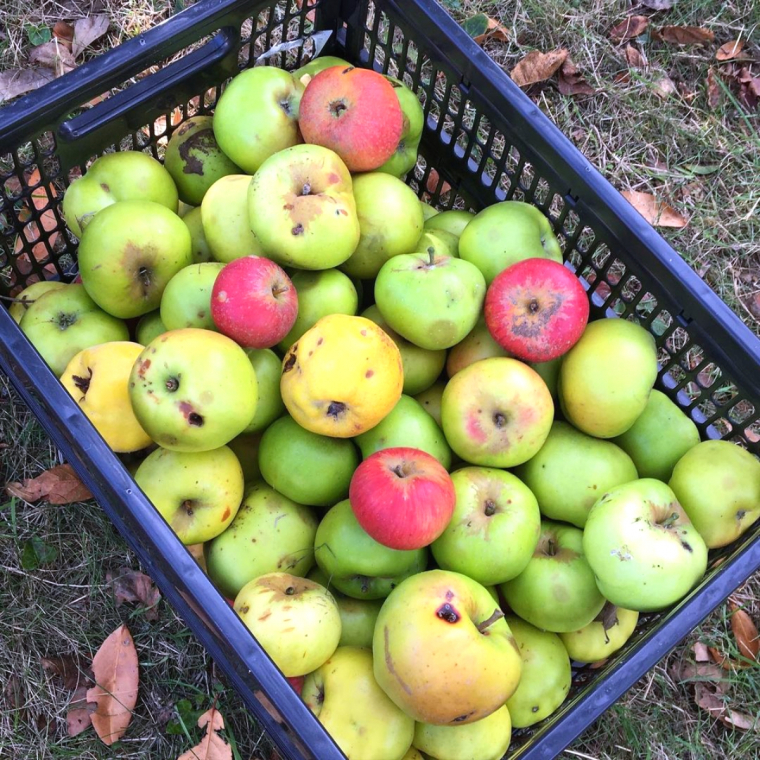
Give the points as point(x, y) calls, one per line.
point(454, 221)
point(603, 636)
point(199, 246)
point(29, 295)
point(186, 301)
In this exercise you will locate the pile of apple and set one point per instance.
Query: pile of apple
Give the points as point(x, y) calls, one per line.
point(488, 486)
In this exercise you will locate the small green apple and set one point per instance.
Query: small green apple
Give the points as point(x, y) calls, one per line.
point(29, 295)
point(404, 158)
point(149, 327)
point(267, 366)
point(453, 221)
point(198, 244)
point(186, 301)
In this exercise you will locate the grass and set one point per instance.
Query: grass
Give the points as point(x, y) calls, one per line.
point(704, 161)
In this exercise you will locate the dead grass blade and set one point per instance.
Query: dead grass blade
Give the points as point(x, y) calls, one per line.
point(631, 27)
point(537, 66)
point(59, 485)
point(656, 212)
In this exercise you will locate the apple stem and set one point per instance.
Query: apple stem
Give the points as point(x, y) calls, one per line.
point(488, 622)
point(431, 253)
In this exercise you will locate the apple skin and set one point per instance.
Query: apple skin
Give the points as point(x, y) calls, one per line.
point(194, 159)
point(546, 675)
point(718, 486)
point(266, 100)
point(308, 468)
point(453, 221)
point(442, 242)
point(199, 246)
point(476, 345)
point(270, 533)
point(429, 212)
point(354, 112)
point(348, 702)
point(606, 377)
point(661, 435)
point(430, 401)
point(451, 290)
point(295, 620)
point(404, 157)
point(390, 219)
point(556, 591)
point(149, 327)
point(402, 497)
point(64, 321)
point(407, 425)
point(505, 233)
point(129, 252)
point(642, 547)
point(197, 493)
point(314, 66)
point(122, 176)
point(224, 217)
point(186, 301)
point(428, 649)
point(603, 636)
point(485, 739)
point(266, 364)
point(536, 309)
point(302, 210)
point(494, 529)
point(355, 563)
point(549, 372)
point(254, 302)
point(246, 448)
point(497, 412)
point(572, 470)
point(193, 390)
point(29, 295)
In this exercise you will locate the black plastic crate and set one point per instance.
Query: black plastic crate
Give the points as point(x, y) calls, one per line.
point(489, 142)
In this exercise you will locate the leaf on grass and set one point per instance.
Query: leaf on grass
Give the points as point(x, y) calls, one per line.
point(631, 27)
point(59, 485)
point(86, 31)
point(701, 653)
point(36, 553)
point(684, 671)
point(434, 180)
point(745, 633)
point(730, 50)
point(482, 28)
point(656, 212)
point(684, 35)
point(713, 89)
point(664, 87)
point(64, 32)
point(212, 746)
point(537, 66)
point(70, 668)
point(658, 5)
point(635, 58)
point(79, 714)
point(15, 82)
point(571, 82)
point(133, 586)
point(55, 56)
point(116, 680)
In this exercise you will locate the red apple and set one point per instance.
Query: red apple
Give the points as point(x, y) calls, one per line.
point(402, 497)
point(354, 112)
point(536, 309)
point(297, 683)
point(254, 302)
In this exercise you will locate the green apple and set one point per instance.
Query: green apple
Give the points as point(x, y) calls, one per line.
point(355, 563)
point(224, 214)
point(246, 448)
point(269, 534)
point(408, 424)
point(307, 467)
point(257, 116)
point(268, 367)
point(390, 220)
point(476, 345)
point(430, 400)
point(432, 301)
point(194, 159)
point(422, 367)
point(661, 435)
point(485, 739)
point(295, 620)
point(428, 211)
point(505, 233)
point(556, 591)
point(193, 390)
point(606, 377)
point(357, 618)
point(198, 244)
point(546, 675)
point(149, 327)
point(123, 176)
point(642, 547)
point(442, 242)
point(443, 651)
point(62, 322)
point(549, 371)
point(404, 158)
point(315, 65)
point(183, 209)
point(301, 208)
point(494, 529)
point(572, 470)
point(348, 702)
point(718, 485)
point(186, 301)
point(453, 221)
point(319, 294)
point(197, 493)
point(29, 295)
point(603, 636)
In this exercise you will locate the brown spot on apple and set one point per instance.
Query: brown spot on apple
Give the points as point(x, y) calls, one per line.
point(226, 514)
point(336, 409)
point(368, 374)
point(448, 613)
point(389, 661)
point(290, 359)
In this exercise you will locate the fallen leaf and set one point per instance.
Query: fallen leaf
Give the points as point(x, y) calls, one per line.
point(86, 31)
point(700, 651)
point(481, 28)
point(15, 82)
point(133, 586)
point(433, 180)
point(212, 746)
point(683, 670)
point(116, 680)
point(571, 82)
point(70, 668)
point(35, 553)
point(59, 485)
point(635, 58)
point(664, 87)
point(684, 35)
point(656, 212)
point(537, 66)
point(745, 633)
point(64, 32)
point(13, 694)
point(713, 89)
point(719, 658)
point(729, 50)
point(739, 720)
point(79, 714)
point(632, 27)
point(658, 5)
point(55, 56)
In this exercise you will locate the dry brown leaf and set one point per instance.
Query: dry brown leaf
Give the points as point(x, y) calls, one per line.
point(635, 58)
point(713, 89)
point(15, 82)
point(79, 714)
point(664, 87)
point(116, 677)
point(684, 35)
point(730, 50)
point(571, 82)
point(700, 651)
point(739, 720)
point(495, 31)
point(133, 586)
point(212, 746)
point(537, 66)
point(656, 212)
point(434, 180)
point(745, 633)
point(54, 55)
point(64, 32)
point(70, 668)
point(86, 31)
point(631, 27)
point(59, 485)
